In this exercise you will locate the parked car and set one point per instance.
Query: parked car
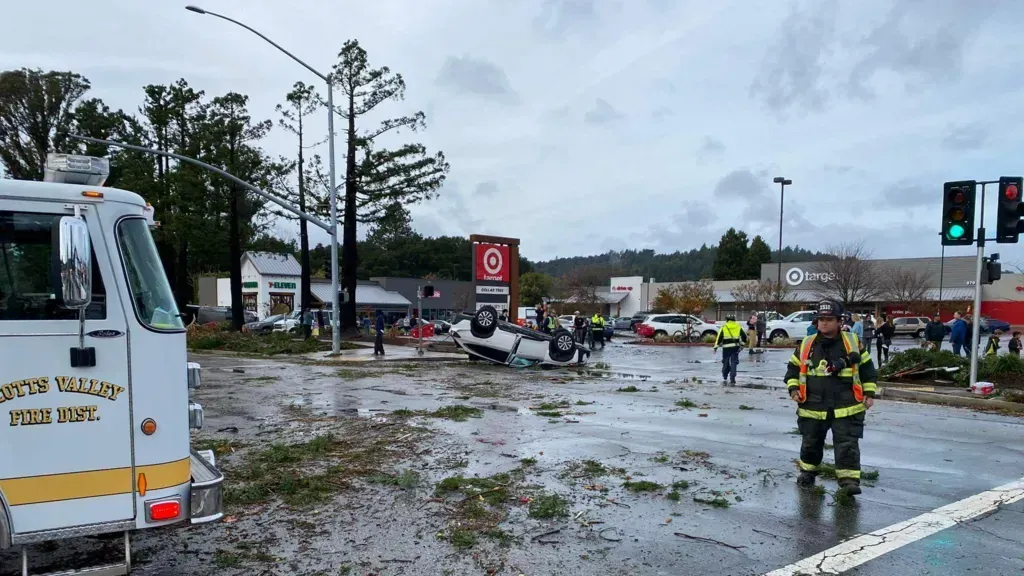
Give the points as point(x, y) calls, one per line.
point(624, 323)
point(638, 318)
point(264, 326)
point(680, 327)
point(988, 325)
point(483, 336)
point(793, 326)
point(910, 326)
point(609, 328)
point(207, 314)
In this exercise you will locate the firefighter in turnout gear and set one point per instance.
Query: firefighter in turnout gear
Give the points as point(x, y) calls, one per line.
point(832, 379)
point(730, 339)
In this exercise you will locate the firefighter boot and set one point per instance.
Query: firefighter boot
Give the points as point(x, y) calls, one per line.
point(806, 479)
point(849, 486)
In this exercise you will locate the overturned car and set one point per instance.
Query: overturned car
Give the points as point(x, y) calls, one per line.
point(483, 335)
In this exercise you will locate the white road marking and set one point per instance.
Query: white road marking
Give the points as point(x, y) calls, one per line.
point(861, 549)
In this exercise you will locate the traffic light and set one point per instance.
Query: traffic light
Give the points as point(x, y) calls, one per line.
point(958, 213)
point(992, 270)
point(1008, 224)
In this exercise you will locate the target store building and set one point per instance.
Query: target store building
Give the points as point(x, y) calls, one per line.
point(949, 280)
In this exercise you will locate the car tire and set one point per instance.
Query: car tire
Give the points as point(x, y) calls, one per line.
point(778, 335)
point(659, 333)
point(919, 334)
point(708, 333)
point(562, 347)
point(484, 322)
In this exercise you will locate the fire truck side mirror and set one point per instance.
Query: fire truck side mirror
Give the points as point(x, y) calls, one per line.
point(72, 263)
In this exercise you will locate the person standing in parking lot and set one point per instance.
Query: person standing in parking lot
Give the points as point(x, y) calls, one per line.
point(935, 332)
point(885, 333)
point(378, 341)
point(730, 339)
point(958, 333)
point(597, 329)
point(579, 326)
point(762, 327)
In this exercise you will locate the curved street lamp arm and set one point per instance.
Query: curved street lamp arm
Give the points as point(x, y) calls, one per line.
point(269, 41)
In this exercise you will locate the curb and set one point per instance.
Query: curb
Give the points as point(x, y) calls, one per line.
point(949, 400)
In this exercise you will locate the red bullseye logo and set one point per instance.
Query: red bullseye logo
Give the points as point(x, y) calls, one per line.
point(492, 261)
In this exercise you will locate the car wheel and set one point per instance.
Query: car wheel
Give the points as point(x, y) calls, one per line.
point(707, 333)
point(919, 334)
point(778, 335)
point(562, 347)
point(484, 322)
point(658, 333)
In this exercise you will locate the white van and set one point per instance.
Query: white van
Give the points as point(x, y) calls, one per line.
point(94, 376)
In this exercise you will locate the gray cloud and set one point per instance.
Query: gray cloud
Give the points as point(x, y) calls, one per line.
point(710, 147)
point(486, 189)
point(479, 77)
point(965, 137)
point(661, 113)
point(924, 41)
point(910, 194)
point(455, 211)
point(793, 70)
point(741, 184)
point(602, 113)
point(557, 18)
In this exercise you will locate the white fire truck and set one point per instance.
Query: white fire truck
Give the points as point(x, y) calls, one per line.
point(94, 378)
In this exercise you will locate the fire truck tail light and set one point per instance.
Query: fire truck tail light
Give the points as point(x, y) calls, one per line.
point(166, 510)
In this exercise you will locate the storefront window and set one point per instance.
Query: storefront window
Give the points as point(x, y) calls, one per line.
point(151, 294)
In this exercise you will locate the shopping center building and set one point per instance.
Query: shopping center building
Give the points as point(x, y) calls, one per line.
point(946, 283)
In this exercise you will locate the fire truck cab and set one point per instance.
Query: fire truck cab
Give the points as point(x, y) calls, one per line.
point(94, 378)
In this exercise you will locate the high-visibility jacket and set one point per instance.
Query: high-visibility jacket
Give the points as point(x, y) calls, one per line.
point(844, 391)
point(597, 323)
point(730, 336)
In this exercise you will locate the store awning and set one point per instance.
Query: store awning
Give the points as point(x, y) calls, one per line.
point(950, 295)
point(366, 295)
point(604, 297)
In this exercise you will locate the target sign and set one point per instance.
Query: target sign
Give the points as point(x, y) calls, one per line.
point(492, 262)
point(795, 277)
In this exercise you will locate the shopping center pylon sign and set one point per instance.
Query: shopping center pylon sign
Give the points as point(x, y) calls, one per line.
point(496, 272)
point(491, 262)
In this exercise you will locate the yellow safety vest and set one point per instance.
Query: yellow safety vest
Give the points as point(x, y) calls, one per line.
point(729, 335)
point(850, 343)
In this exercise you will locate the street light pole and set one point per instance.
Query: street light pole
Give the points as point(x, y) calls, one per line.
point(336, 295)
point(782, 182)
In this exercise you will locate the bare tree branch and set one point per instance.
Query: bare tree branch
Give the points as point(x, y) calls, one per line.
point(906, 288)
point(849, 276)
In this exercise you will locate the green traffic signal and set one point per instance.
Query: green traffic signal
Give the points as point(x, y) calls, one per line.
point(955, 232)
point(958, 212)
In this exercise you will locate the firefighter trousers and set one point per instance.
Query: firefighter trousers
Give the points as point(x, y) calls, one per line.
point(846, 435)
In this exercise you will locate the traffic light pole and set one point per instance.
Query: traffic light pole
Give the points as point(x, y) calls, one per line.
point(976, 314)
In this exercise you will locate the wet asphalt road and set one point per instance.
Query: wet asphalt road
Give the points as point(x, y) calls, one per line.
point(927, 457)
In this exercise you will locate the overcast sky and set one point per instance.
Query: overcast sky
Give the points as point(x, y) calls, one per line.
point(581, 126)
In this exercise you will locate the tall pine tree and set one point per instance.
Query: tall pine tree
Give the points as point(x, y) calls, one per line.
point(731, 257)
point(758, 253)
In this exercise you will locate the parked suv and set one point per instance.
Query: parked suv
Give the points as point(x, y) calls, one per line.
point(679, 327)
point(910, 326)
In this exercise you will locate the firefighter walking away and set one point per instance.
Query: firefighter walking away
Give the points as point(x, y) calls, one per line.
point(730, 339)
point(832, 380)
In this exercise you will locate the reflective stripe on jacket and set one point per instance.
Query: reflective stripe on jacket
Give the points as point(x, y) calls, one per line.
point(844, 391)
point(730, 335)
